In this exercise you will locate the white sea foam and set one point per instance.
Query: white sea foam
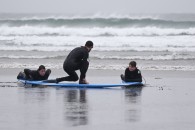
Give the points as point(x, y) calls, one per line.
point(114, 56)
point(150, 57)
point(104, 67)
point(133, 43)
point(93, 32)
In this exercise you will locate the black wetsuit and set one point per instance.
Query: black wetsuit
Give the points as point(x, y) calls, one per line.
point(132, 76)
point(34, 74)
point(76, 60)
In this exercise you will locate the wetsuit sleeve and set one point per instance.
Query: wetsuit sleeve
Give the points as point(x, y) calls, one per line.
point(27, 73)
point(126, 73)
point(139, 76)
point(84, 66)
point(85, 57)
point(47, 73)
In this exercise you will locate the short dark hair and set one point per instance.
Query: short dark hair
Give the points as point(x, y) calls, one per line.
point(89, 44)
point(133, 63)
point(41, 67)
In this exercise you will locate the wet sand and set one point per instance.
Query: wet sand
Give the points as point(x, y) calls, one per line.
point(166, 102)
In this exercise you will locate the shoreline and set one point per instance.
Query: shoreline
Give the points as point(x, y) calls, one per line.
point(151, 77)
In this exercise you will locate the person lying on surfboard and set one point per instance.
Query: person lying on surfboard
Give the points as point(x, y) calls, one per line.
point(77, 60)
point(40, 74)
point(132, 73)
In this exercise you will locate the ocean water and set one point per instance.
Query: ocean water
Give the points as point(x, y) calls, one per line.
point(156, 42)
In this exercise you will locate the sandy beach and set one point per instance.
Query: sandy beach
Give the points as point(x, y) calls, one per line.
point(166, 102)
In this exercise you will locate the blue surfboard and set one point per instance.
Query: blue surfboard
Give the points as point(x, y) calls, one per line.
point(76, 85)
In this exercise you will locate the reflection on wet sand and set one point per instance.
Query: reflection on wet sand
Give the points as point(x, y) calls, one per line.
point(133, 100)
point(76, 107)
point(34, 107)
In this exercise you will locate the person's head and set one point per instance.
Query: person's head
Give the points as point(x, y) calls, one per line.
point(132, 65)
point(41, 70)
point(89, 45)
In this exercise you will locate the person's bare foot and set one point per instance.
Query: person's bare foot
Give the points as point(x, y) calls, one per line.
point(83, 81)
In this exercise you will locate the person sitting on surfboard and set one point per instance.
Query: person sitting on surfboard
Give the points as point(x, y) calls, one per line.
point(77, 60)
point(40, 74)
point(132, 74)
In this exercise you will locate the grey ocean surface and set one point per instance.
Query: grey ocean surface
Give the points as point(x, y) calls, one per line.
point(156, 42)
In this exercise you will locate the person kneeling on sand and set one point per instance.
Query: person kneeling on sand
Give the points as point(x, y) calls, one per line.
point(40, 74)
point(132, 74)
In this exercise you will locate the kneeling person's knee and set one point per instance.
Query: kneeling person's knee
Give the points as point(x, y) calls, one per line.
point(75, 78)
